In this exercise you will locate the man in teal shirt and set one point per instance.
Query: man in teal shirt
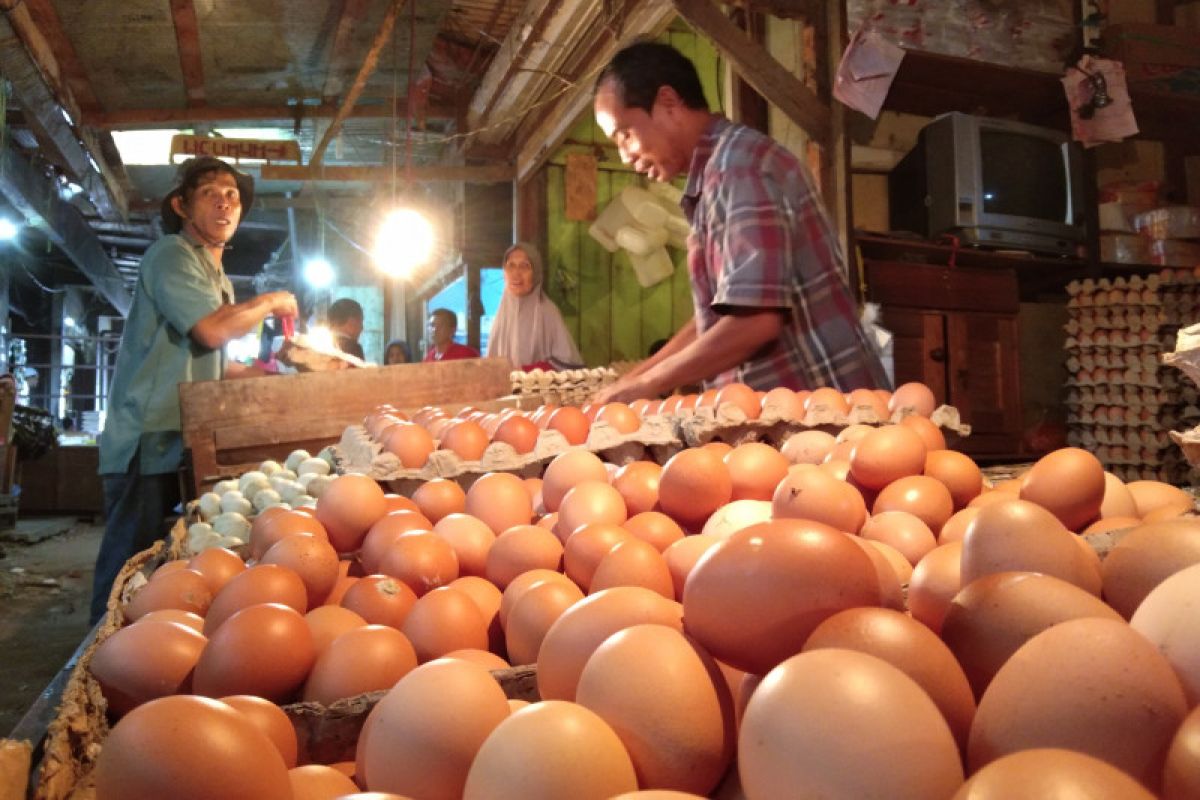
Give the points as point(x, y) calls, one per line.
point(183, 314)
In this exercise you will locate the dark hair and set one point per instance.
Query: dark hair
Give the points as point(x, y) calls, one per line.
point(641, 68)
point(192, 173)
point(448, 314)
point(344, 310)
point(400, 343)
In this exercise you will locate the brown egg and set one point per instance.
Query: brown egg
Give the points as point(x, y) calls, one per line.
point(891, 593)
point(181, 588)
point(912, 648)
point(218, 565)
point(683, 555)
point(271, 720)
point(489, 661)
point(386, 530)
point(1048, 772)
point(421, 559)
point(929, 432)
point(264, 650)
point(668, 703)
point(1019, 536)
point(925, 498)
point(579, 756)
point(410, 443)
point(935, 580)
point(990, 618)
point(586, 547)
point(755, 597)
point(326, 623)
point(445, 620)
point(169, 567)
point(867, 399)
point(380, 600)
point(632, 562)
point(741, 396)
point(811, 493)
point(1108, 524)
point(784, 403)
point(499, 499)
point(187, 618)
point(887, 454)
point(522, 584)
point(519, 432)
point(146, 660)
point(808, 447)
point(1118, 500)
point(707, 399)
point(989, 496)
point(1091, 685)
point(548, 521)
point(589, 503)
point(852, 433)
point(319, 782)
point(398, 502)
point(348, 507)
point(620, 416)
point(956, 527)
point(584, 626)
point(467, 439)
point(895, 559)
point(914, 397)
point(259, 524)
point(1181, 777)
point(637, 483)
point(571, 423)
point(520, 549)
point(828, 398)
point(654, 527)
point(365, 659)
point(903, 531)
point(488, 598)
point(718, 448)
point(960, 475)
point(471, 539)
point(805, 726)
point(189, 748)
point(423, 735)
point(439, 498)
point(313, 559)
point(694, 484)
point(281, 526)
point(263, 583)
point(1069, 483)
point(1152, 496)
point(533, 613)
point(1160, 619)
point(755, 470)
point(565, 471)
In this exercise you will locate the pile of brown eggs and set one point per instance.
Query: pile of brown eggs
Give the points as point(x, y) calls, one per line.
point(858, 615)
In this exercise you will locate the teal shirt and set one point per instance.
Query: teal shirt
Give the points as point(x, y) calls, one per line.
point(179, 284)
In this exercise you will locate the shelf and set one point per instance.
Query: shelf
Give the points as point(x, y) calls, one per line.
point(879, 246)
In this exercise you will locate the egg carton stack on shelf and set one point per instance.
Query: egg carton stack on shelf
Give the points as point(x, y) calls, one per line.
point(1121, 401)
point(566, 386)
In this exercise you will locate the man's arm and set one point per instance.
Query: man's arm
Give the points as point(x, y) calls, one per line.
point(731, 341)
point(234, 321)
point(681, 339)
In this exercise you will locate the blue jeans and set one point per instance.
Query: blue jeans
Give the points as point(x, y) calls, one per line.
point(138, 511)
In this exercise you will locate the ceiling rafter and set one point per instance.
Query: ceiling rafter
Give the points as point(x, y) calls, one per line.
point(490, 173)
point(163, 117)
point(187, 39)
point(353, 14)
point(45, 18)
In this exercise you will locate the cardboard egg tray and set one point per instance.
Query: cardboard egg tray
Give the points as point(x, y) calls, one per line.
point(658, 438)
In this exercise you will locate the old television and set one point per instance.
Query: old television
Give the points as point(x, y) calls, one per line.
point(992, 183)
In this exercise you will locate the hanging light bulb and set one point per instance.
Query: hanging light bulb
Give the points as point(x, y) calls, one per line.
point(404, 242)
point(318, 273)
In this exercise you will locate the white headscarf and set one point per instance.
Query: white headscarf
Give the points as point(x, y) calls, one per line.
point(529, 328)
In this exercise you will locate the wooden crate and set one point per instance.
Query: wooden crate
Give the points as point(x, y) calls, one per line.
point(232, 426)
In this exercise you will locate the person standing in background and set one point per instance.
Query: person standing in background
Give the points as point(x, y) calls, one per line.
point(528, 329)
point(443, 323)
point(346, 324)
point(396, 352)
point(183, 315)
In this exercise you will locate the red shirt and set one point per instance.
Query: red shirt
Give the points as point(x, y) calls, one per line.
point(455, 350)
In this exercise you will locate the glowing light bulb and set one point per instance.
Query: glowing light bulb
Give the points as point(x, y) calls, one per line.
point(318, 273)
point(8, 229)
point(405, 241)
point(321, 338)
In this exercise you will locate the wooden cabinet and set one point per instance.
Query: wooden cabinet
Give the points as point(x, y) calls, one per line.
point(955, 330)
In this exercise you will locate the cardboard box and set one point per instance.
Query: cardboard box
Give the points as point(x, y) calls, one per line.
point(1156, 57)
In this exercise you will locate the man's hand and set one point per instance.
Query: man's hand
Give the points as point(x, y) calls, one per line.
point(628, 388)
point(281, 304)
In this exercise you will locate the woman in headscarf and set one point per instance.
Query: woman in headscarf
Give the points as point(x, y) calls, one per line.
point(528, 329)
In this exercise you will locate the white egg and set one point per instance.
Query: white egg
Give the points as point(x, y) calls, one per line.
point(221, 487)
point(265, 498)
point(230, 542)
point(236, 502)
point(304, 500)
point(327, 455)
point(253, 476)
point(269, 467)
point(201, 536)
point(232, 524)
point(306, 479)
point(317, 465)
point(318, 485)
point(294, 458)
point(285, 473)
point(209, 505)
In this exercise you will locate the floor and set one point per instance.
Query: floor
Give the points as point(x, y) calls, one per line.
point(45, 586)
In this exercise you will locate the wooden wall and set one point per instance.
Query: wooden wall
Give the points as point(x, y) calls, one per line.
point(607, 311)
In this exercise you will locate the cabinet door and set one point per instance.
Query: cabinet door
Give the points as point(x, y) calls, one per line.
point(919, 347)
point(984, 382)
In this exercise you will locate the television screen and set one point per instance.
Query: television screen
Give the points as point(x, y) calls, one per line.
point(1008, 160)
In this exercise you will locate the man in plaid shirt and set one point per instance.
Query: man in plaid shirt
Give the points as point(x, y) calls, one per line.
point(772, 308)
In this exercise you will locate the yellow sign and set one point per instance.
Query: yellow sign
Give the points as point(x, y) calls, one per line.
point(235, 149)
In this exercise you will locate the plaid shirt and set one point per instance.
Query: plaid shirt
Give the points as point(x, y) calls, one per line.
point(761, 240)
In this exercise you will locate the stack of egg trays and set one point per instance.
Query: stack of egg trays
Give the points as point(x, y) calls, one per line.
point(1121, 401)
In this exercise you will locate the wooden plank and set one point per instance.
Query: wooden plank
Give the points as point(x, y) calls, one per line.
point(187, 40)
point(927, 286)
point(171, 117)
point(595, 289)
point(626, 306)
point(562, 256)
point(760, 69)
point(360, 81)
point(45, 17)
point(353, 13)
point(488, 173)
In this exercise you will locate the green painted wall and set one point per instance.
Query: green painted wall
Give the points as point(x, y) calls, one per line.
point(607, 311)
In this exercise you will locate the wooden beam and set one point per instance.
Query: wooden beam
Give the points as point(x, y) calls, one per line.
point(554, 121)
point(760, 69)
point(170, 117)
point(187, 40)
point(360, 81)
point(493, 173)
point(353, 13)
point(72, 73)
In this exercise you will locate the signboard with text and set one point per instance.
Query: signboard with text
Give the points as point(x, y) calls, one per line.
point(269, 150)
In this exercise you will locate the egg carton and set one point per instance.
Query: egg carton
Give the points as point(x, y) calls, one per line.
point(1131, 395)
point(1137, 349)
point(1142, 362)
point(564, 385)
point(1091, 435)
point(1114, 416)
point(1104, 377)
